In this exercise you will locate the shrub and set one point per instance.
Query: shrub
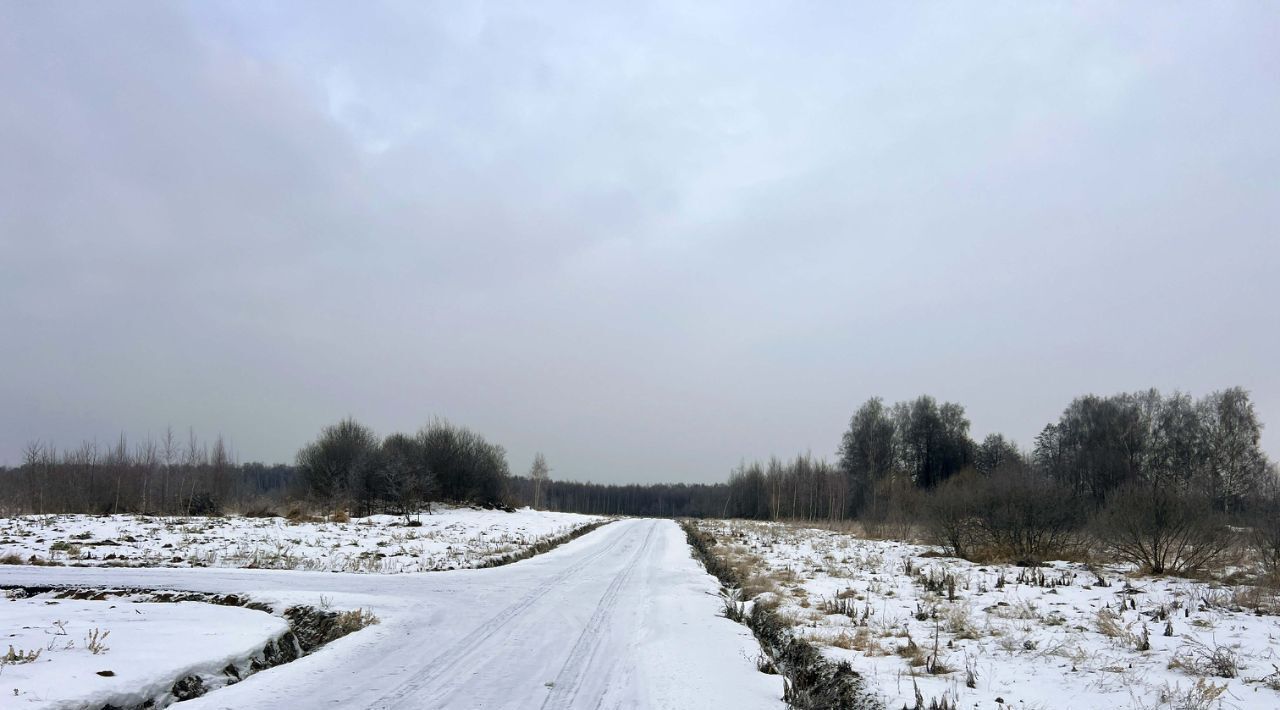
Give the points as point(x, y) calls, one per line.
point(1027, 518)
point(203, 503)
point(896, 507)
point(1010, 515)
point(297, 514)
point(952, 511)
point(1163, 531)
point(1264, 535)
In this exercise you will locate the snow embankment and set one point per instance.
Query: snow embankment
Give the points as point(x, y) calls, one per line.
point(450, 538)
point(68, 653)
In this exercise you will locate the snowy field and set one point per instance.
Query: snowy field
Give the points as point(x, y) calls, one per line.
point(451, 538)
point(920, 625)
point(93, 654)
point(622, 617)
point(121, 650)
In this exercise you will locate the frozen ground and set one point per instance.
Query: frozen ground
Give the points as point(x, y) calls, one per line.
point(451, 538)
point(622, 617)
point(1054, 637)
point(100, 653)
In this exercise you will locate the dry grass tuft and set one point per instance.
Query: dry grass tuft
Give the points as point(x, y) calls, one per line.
point(356, 619)
point(1200, 660)
point(18, 656)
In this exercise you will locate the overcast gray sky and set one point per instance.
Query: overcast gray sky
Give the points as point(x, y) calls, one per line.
point(649, 239)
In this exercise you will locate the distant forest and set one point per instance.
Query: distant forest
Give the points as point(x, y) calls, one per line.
point(890, 462)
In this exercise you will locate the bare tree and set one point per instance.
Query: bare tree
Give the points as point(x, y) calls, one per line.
point(540, 473)
point(169, 454)
point(147, 458)
point(36, 463)
point(194, 459)
point(220, 464)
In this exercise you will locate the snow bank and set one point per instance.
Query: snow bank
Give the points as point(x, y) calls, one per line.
point(142, 648)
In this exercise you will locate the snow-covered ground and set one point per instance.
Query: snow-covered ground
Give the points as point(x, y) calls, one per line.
point(622, 617)
point(1055, 637)
point(450, 538)
point(94, 654)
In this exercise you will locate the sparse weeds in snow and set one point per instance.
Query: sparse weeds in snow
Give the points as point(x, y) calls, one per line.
point(846, 606)
point(1024, 609)
point(1111, 624)
point(1109, 629)
point(18, 656)
point(810, 681)
point(1272, 680)
point(95, 641)
point(1107, 623)
point(958, 621)
point(1199, 659)
point(1200, 695)
point(453, 538)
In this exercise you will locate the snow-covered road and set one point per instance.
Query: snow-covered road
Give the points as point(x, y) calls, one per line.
point(620, 618)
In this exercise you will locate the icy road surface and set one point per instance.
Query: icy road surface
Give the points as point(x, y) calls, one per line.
point(623, 617)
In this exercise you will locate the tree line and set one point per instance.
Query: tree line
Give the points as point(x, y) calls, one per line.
point(665, 500)
point(1168, 482)
point(1107, 461)
point(1207, 448)
point(171, 475)
point(347, 467)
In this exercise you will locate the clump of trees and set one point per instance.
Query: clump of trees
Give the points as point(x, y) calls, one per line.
point(1207, 447)
point(1149, 478)
point(919, 442)
point(349, 464)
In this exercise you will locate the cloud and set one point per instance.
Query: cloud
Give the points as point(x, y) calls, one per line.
point(648, 240)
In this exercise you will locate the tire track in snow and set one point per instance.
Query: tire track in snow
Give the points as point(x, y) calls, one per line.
point(568, 682)
point(458, 655)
